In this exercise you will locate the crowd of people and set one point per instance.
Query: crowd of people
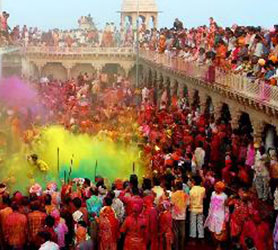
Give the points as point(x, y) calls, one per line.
point(4, 29)
point(86, 35)
point(204, 181)
point(246, 50)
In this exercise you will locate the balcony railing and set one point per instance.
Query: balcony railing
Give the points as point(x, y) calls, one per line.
point(8, 49)
point(77, 51)
point(236, 83)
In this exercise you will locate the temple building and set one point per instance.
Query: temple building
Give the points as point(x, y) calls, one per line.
point(147, 10)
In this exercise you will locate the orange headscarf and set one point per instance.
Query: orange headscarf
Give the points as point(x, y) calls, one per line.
point(219, 186)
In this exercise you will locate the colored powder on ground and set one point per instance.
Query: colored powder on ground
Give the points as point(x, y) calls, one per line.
point(113, 160)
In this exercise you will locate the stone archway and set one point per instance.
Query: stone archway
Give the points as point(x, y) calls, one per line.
point(245, 125)
point(196, 100)
point(225, 115)
point(82, 68)
point(113, 70)
point(269, 136)
point(55, 71)
point(209, 109)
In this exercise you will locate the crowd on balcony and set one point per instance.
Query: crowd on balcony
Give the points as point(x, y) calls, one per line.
point(4, 29)
point(208, 184)
point(74, 38)
point(246, 50)
point(86, 35)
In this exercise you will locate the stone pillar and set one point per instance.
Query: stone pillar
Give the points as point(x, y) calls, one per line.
point(134, 20)
point(173, 88)
point(203, 101)
point(68, 67)
point(155, 21)
point(40, 66)
point(190, 96)
point(235, 116)
point(258, 127)
point(217, 109)
point(127, 68)
point(160, 88)
point(180, 90)
point(147, 21)
point(123, 16)
point(98, 68)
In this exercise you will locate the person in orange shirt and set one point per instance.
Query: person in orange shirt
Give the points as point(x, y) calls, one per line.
point(36, 221)
point(180, 202)
point(4, 212)
point(162, 44)
point(15, 229)
point(221, 53)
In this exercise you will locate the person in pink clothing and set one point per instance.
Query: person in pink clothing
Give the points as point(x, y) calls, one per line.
point(60, 228)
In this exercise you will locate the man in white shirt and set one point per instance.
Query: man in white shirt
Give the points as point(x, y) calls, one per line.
point(199, 156)
point(47, 244)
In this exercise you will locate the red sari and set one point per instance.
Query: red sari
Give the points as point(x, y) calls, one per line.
point(165, 231)
point(135, 228)
point(259, 232)
point(151, 216)
point(108, 229)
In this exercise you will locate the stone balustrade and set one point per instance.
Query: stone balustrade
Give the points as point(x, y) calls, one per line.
point(46, 50)
point(257, 91)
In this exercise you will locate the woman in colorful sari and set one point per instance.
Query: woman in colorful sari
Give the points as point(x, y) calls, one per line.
point(108, 227)
point(134, 227)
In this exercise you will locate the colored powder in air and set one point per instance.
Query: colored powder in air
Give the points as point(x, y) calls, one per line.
point(16, 93)
point(113, 160)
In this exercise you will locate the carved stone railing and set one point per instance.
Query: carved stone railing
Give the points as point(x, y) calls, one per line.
point(258, 91)
point(8, 49)
point(45, 50)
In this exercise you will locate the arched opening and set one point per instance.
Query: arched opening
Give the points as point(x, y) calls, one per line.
point(150, 77)
point(185, 91)
point(196, 100)
point(152, 22)
point(55, 71)
point(225, 114)
point(168, 89)
point(128, 22)
point(270, 137)
point(83, 68)
point(131, 75)
point(174, 88)
point(142, 23)
point(209, 106)
point(245, 125)
point(110, 73)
